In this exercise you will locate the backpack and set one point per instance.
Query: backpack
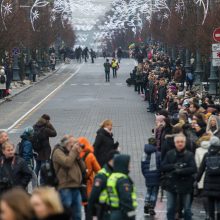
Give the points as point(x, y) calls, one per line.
point(37, 139)
point(19, 149)
point(48, 172)
point(2, 79)
point(213, 165)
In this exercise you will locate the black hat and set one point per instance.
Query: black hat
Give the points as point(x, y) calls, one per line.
point(46, 117)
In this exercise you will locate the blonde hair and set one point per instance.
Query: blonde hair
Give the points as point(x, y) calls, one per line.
point(105, 123)
point(50, 198)
point(7, 144)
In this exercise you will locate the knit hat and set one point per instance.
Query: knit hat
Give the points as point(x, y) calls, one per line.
point(29, 131)
point(46, 117)
point(214, 141)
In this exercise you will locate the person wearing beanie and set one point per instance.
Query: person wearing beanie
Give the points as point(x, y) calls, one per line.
point(150, 167)
point(43, 131)
point(97, 201)
point(211, 167)
point(121, 191)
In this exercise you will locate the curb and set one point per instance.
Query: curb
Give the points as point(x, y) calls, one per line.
point(28, 87)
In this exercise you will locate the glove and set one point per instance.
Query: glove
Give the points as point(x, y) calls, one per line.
point(116, 144)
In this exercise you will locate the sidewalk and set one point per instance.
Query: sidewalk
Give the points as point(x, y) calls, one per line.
point(19, 86)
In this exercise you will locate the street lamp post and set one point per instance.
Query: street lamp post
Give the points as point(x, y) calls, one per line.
point(187, 63)
point(213, 80)
point(199, 70)
point(16, 68)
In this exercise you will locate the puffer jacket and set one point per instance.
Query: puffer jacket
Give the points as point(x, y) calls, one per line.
point(27, 150)
point(67, 167)
point(199, 155)
point(179, 168)
point(211, 181)
point(92, 165)
point(151, 169)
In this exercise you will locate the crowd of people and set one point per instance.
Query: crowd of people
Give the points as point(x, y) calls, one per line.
point(183, 156)
point(62, 180)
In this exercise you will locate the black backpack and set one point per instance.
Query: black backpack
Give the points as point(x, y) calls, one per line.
point(2, 79)
point(213, 165)
point(37, 138)
point(19, 149)
point(48, 172)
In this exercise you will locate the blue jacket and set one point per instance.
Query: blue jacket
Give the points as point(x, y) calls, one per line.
point(152, 177)
point(27, 150)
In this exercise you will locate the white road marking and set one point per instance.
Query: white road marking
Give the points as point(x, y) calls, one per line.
point(85, 84)
point(74, 84)
point(43, 100)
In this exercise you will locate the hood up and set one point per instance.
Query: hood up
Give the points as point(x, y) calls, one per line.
point(87, 146)
point(121, 163)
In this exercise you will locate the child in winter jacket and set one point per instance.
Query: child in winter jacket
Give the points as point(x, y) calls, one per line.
point(150, 166)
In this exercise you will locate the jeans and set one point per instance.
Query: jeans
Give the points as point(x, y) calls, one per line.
point(114, 70)
point(171, 205)
point(39, 163)
point(151, 195)
point(214, 207)
point(71, 198)
point(107, 76)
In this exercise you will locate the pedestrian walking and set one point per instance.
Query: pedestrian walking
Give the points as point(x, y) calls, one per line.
point(43, 131)
point(107, 67)
point(150, 166)
point(52, 61)
point(98, 200)
point(3, 80)
point(15, 205)
point(121, 190)
point(34, 69)
point(211, 167)
point(14, 171)
point(47, 205)
point(67, 166)
point(115, 67)
point(179, 167)
point(104, 142)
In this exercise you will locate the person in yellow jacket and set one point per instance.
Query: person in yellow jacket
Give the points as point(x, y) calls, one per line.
point(115, 67)
point(122, 198)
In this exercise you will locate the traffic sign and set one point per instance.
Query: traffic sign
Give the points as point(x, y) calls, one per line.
point(216, 35)
point(215, 62)
point(215, 47)
point(216, 54)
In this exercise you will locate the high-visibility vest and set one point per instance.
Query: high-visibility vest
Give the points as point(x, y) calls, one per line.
point(103, 198)
point(112, 190)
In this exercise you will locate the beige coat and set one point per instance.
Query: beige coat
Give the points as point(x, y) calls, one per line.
point(67, 168)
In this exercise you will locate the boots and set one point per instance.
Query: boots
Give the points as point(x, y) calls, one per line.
point(146, 209)
point(151, 210)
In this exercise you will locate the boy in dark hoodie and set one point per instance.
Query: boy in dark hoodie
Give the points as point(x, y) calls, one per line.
point(150, 167)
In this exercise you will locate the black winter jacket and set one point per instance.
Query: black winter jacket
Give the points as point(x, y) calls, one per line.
point(104, 144)
point(212, 179)
point(179, 168)
point(47, 131)
point(16, 170)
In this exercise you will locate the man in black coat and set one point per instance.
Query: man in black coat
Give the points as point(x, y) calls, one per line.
point(179, 167)
point(14, 171)
point(43, 130)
